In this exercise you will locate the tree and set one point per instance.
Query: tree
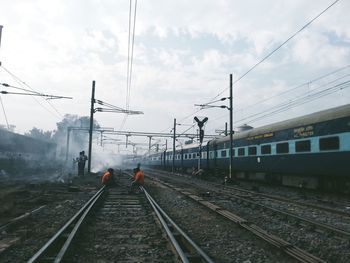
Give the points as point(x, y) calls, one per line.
point(39, 134)
point(78, 139)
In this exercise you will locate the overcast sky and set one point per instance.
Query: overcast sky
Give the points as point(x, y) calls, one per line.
point(184, 52)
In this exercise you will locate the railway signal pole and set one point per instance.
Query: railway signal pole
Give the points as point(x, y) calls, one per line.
point(201, 136)
point(230, 108)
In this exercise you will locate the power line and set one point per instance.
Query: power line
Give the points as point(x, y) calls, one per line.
point(307, 93)
point(271, 53)
point(278, 47)
point(3, 109)
point(297, 102)
point(20, 82)
point(295, 88)
point(130, 59)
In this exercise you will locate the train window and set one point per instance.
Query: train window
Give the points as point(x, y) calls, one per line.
point(303, 146)
point(252, 150)
point(223, 153)
point(241, 151)
point(282, 147)
point(185, 156)
point(266, 149)
point(330, 143)
point(194, 155)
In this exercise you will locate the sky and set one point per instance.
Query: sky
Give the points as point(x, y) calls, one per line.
point(184, 52)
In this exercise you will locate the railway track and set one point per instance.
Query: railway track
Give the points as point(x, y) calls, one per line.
point(264, 201)
point(293, 251)
point(345, 212)
point(115, 225)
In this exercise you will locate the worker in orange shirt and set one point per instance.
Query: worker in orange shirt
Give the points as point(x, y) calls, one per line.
point(108, 177)
point(138, 179)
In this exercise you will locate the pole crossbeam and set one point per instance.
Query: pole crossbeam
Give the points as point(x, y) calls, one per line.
point(145, 134)
point(130, 112)
point(159, 134)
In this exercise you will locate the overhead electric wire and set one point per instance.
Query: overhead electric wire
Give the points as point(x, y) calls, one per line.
point(132, 55)
point(293, 89)
point(272, 52)
point(296, 98)
point(14, 87)
point(278, 47)
point(128, 63)
point(296, 102)
point(130, 60)
point(3, 109)
point(20, 82)
point(288, 91)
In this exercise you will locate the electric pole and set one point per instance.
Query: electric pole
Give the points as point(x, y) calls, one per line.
point(174, 138)
point(92, 110)
point(231, 127)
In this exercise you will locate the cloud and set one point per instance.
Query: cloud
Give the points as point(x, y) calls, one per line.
point(184, 52)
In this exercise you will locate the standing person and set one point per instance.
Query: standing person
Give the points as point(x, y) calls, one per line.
point(138, 179)
point(108, 177)
point(81, 163)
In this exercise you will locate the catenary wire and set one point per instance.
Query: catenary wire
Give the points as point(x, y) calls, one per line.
point(272, 52)
point(283, 93)
point(293, 89)
point(20, 82)
point(130, 61)
point(3, 109)
point(278, 47)
point(299, 101)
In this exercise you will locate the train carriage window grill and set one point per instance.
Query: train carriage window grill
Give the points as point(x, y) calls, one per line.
point(241, 151)
point(282, 147)
point(266, 149)
point(303, 146)
point(252, 150)
point(223, 153)
point(330, 143)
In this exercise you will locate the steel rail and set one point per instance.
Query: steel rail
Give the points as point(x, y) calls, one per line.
point(327, 227)
point(44, 249)
point(288, 248)
point(162, 216)
point(20, 218)
point(66, 245)
point(299, 203)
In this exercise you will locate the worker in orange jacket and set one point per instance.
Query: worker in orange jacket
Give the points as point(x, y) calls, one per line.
point(108, 177)
point(138, 179)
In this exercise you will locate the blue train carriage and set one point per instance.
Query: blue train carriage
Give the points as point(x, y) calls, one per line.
point(311, 151)
point(185, 158)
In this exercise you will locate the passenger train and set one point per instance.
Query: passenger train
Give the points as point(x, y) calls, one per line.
point(311, 151)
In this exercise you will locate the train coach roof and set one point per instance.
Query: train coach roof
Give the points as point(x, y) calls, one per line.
point(320, 116)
